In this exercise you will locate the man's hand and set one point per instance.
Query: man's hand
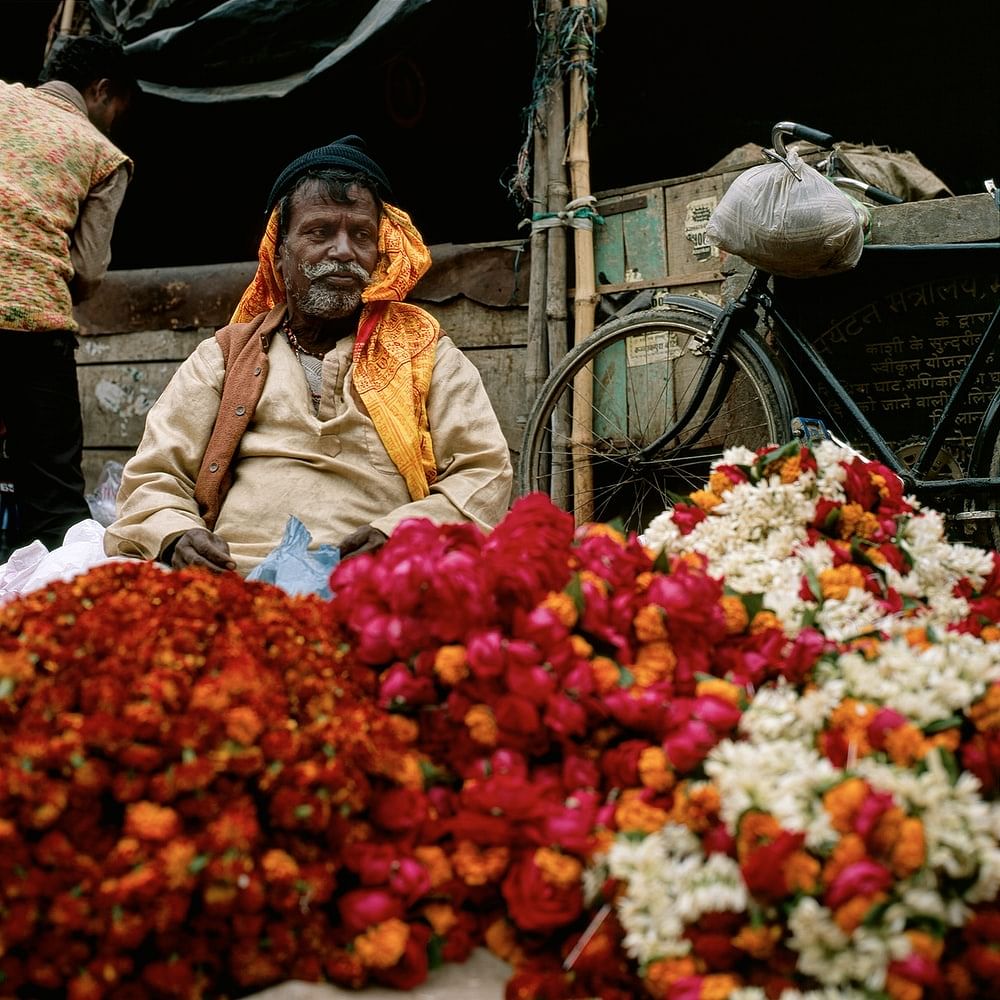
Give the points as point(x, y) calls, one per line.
point(201, 547)
point(366, 539)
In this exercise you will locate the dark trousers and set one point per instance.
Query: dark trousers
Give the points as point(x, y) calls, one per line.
point(40, 407)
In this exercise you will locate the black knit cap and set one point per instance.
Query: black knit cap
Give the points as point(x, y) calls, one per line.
point(347, 153)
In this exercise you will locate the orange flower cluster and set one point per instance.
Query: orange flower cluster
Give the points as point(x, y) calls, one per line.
point(184, 760)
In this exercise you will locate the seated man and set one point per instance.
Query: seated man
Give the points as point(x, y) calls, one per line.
point(328, 397)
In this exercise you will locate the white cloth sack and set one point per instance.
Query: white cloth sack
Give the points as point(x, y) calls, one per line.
point(795, 226)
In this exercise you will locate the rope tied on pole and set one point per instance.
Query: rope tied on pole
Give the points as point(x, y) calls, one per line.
point(578, 214)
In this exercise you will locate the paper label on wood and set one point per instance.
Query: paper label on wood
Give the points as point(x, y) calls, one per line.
point(695, 221)
point(652, 348)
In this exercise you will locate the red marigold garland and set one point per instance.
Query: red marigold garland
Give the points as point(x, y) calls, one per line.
point(185, 759)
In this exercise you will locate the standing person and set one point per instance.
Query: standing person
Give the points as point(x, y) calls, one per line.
point(328, 398)
point(62, 181)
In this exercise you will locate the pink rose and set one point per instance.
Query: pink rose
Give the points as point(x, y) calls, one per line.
point(362, 908)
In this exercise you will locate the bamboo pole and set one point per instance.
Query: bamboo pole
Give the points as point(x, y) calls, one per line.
point(66, 24)
point(555, 298)
point(536, 362)
point(558, 190)
point(61, 24)
point(585, 283)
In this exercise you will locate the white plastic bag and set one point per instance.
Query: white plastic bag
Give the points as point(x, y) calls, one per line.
point(33, 566)
point(102, 501)
point(797, 226)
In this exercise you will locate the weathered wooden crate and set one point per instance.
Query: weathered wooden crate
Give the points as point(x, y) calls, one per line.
point(653, 235)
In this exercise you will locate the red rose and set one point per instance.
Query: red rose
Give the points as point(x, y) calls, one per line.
point(534, 904)
point(399, 810)
point(687, 517)
point(565, 716)
point(481, 829)
point(514, 798)
point(517, 716)
point(410, 880)
point(620, 764)
point(764, 868)
point(371, 862)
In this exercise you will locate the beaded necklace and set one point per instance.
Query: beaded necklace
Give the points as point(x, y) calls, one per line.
point(296, 346)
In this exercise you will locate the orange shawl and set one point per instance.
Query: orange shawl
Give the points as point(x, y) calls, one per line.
point(395, 346)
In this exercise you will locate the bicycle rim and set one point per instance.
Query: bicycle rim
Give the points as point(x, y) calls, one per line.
point(620, 389)
point(986, 462)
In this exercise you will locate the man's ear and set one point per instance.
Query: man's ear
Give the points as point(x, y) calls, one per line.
point(98, 90)
point(279, 249)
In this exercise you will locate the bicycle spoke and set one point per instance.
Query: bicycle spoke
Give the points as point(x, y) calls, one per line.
point(641, 378)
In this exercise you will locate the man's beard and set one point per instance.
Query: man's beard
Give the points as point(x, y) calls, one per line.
point(331, 303)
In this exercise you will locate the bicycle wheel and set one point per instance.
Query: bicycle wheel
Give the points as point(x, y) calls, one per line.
point(621, 388)
point(986, 463)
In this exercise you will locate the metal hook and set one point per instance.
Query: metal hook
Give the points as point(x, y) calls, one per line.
point(779, 153)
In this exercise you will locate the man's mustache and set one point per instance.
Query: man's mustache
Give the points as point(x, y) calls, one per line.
point(326, 268)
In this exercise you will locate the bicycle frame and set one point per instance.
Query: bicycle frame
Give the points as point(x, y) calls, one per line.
point(741, 314)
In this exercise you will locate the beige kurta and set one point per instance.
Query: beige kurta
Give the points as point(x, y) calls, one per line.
point(330, 470)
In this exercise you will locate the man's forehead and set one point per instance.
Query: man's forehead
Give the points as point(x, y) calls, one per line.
point(313, 197)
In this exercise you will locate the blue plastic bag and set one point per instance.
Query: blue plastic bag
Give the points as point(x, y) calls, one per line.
point(296, 569)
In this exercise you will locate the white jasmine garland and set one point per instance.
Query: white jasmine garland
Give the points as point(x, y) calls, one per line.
point(859, 960)
point(670, 885)
point(779, 711)
point(858, 613)
point(783, 777)
point(961, 829)
point(757, 542)
point(755, 993)
point(924, 684)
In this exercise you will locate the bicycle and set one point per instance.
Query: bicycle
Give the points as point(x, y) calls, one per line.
point(632, 418)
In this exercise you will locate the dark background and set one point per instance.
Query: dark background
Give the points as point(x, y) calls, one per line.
point(442, 101)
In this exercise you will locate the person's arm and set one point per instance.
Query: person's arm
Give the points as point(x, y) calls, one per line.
point(90, 241)
point(156, 504)
point(475, 475)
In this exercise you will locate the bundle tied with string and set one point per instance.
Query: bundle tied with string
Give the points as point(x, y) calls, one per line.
point(790, 220)
point(578, 214)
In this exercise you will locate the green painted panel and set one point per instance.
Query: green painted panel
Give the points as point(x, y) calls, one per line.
point(609, 249)
point(645, 232)
point(631, 245)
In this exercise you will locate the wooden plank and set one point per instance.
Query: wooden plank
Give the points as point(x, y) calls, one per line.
point(175, 298)
point(116, 398)
point(503, 378)
point(672, 281)
point(646, 240)
point(142, 346)
point(472, 325)
point(967, 218)
point(625, 205)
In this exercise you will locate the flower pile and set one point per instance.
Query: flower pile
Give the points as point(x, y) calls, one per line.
point(185, 764)
point(755, 753)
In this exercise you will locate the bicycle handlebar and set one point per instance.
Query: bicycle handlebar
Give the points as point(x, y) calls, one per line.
point(825, 141)
point(822, 139)
point(869, 190)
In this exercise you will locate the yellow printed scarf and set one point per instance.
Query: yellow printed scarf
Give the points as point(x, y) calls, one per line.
point(394, 349)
